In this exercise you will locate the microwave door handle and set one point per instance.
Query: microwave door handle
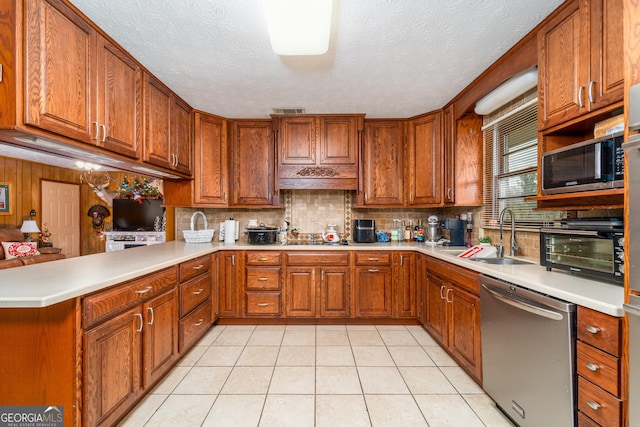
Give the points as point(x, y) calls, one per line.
point(593, 233)
point(597, 148)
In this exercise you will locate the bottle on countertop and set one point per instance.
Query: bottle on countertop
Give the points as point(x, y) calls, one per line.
point(418, 233)
point(407, 232)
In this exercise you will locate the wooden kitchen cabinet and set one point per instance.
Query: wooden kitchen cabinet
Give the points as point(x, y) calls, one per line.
point(167, 131)
point(469, 168)
point(160, 337)
point(318, 151)
point(405, 286)
point(252, 164)
point(92, 93)
point(382, 181)
point(453, 313)
point(230, 273)
point(424, 161)
point(373, 285)
point(580, 61)
point(263, 284)
point(194, 299)
point(449, 154)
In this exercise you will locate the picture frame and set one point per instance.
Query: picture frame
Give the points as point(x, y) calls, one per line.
point(5, 199)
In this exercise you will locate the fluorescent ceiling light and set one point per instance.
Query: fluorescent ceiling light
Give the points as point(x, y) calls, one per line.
point(299, 27)
point(508, 91)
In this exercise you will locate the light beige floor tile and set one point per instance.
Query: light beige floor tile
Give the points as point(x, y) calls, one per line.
point(272, 328)
point(397, 337)
point(487, 410)
point(191, 358)
point(372, 355)
point(439, 356)
point(210, 336)
point(143, 411)
point(381, 380)
point(293, 380)
point(220, 355)
point(299, 337)
point(334, 356)
point(266, 337)
point(394, 411)
point(426, 380)
point(258, 355)
point(297, 355)
point(171, 381)
point(233, 337)
point(423, 337)
point(235, 410)
point(447, 410)
point(203, 380)
point(248, 380)
point(410, 356)
point(182, 410)
point(365, 337)
point(240, 327)
point(324, 337)
point(341, 411)
point(361, 328)
point(381, 328)
point(304, 328)
point(288, 411)
point(461, 380)
point(337, 380)
point(331, 328)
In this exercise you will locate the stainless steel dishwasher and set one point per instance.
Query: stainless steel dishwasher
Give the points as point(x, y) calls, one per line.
point(528, 350)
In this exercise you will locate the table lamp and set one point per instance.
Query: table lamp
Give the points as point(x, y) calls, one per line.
point(28, 227)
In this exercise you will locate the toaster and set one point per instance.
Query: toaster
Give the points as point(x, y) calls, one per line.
point(364, 231)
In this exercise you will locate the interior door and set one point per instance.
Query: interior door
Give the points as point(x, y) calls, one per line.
point(61, 215)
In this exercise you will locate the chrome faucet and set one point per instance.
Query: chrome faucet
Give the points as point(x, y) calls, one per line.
point(514, 245)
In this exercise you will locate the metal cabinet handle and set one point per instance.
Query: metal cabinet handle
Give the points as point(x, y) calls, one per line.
point(401, 259)
point(594, 405)
point(97, 130)
point(262, 279)
point(580, 103)
point(441, 290)
point(200, 322)
point(264, 258)
point(104, 133)
point(153, 316)
point(447, 295)
point(592, 329)
point(373, 270)
point(590, 91)
point(263, 304)
point(198, 267)
point(145, 290)
point(322, 275)
point(233, 260)
point(449, 192)
point(374, 259)
point(139, 316)
point(198, 292)
point(592, 366)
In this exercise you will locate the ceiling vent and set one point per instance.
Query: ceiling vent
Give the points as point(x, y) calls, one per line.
point(288, 110)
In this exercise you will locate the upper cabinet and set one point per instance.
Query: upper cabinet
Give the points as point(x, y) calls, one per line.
point(80, 85)
point(167, 130)
point(424, 160)
point(580, 61)
point(468, 152)
point(318, 152)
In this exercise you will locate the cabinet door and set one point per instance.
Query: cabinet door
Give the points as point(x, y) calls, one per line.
point(180, 136)
point(464, 330)
point(118, 124)
point(252, 163)
point(563, 65)
point(436, 308)
point(449, 154)
point(297, 140)
point(421, 283)
point(339, 141)
point(300, 292)
point(335, 291)
point(373, 292)
point(210, 185)
point(214, 288)
point(405, 289)
point(157, 115)
point(59, 45)
point(382, 164)
point(228, 283)
point(112, 364)
point(468, 161)
point(160, 335)
point(424, 157)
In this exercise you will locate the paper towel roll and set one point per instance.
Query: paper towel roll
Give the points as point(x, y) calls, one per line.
point(229, 231)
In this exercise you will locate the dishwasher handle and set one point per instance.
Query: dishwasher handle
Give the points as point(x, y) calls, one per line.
point(522, 305)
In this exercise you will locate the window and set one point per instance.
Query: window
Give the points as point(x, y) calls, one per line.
point(511, 167)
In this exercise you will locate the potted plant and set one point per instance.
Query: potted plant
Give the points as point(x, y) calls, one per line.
point(485, 240)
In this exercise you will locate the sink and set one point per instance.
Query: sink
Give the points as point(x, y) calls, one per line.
point(500, 261)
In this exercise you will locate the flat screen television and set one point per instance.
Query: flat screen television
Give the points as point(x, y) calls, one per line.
point(131, 215)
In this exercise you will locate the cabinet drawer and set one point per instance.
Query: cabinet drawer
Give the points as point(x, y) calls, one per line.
point(373, 258)
point(600, 330)
point(264, 258)
point(597, 404)
point(584, 421)
point(600, 368)
point(262, 303)
point(317, 258)
point(191, 269)
point(267, 278)
point(99, 306)
point(466, 279)
point(194, 325)
point(193, 293)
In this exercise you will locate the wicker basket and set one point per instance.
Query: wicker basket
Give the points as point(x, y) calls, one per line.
point(198, 236)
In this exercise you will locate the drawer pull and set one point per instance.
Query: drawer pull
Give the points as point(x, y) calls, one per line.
point(198, 267)
point(145, 290)
point(593, 405)
point(153, 316)
point(263, 304)
point(264, 258)
point(139, 316)
point(199, 322)
point(374, 259)
point(442, 292)
point(263, 279)
point(198, 292)
point(592, 329)
point(592, 366)
point(447, 295)
point(373, 270)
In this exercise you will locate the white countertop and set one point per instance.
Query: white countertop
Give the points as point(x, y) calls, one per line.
point(48, 283)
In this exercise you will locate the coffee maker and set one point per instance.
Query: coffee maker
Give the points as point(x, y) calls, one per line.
point(456, 229)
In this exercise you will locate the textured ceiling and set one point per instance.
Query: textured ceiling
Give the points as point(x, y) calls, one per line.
point(386, 58)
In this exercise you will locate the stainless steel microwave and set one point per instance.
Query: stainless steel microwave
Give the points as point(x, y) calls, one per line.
point(596, 164)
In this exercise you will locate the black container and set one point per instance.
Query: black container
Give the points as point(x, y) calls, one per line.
point(262, 235)
point(364, 231)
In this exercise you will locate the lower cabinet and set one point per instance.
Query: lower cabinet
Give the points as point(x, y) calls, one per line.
point(229, 283)
point(452, 315)
point(263, 284)
point(373, 284)
point(404, 265)
point(194, 295)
